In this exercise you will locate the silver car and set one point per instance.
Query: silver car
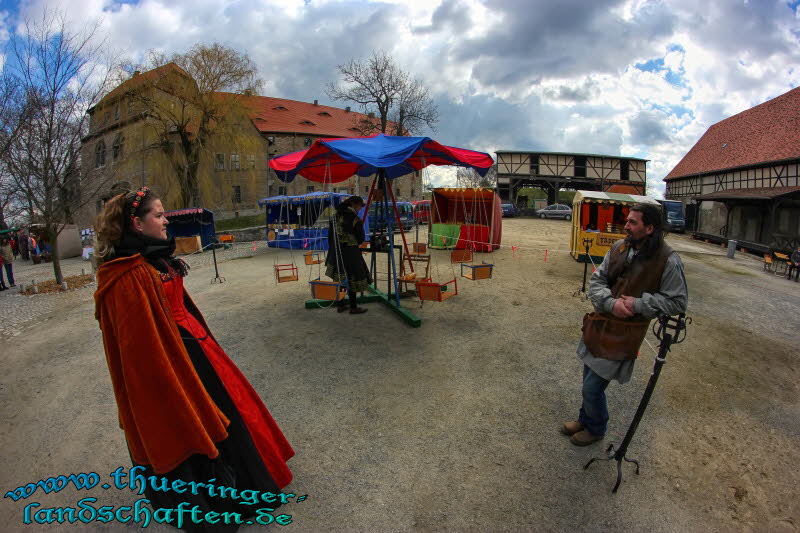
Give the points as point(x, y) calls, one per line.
point(555, 211)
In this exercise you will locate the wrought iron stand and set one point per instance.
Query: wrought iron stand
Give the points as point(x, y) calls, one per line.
point(217, 277)
point(669, 330)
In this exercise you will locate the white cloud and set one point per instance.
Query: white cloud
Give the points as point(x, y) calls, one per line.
point(507, 74)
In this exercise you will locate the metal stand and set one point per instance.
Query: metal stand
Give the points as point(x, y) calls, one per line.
point(670, 330)
point(586, 244)
point(217, 277)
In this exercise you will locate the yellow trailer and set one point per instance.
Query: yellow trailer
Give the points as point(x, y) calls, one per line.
point(598, 219)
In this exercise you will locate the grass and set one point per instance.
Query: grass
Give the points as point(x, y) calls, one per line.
point(241, 222)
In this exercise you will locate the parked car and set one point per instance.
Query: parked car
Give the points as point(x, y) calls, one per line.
point(555, 211)
point(510, 210)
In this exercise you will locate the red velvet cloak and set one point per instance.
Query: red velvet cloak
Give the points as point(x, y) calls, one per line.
point(164, 409)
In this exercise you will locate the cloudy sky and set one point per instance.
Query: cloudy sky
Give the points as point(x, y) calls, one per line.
point(641, 78)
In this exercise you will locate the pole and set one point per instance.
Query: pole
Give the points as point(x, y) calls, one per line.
point(217, 277)
point(586, 244)
point(669, 333)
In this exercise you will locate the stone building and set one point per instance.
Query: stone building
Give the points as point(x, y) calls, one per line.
point(741, 180)
point(552, 171)
point(127, 145)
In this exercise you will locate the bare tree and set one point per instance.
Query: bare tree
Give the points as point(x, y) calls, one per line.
point(59, 75)
point(467, 177)
point(386, 93)
point(198, 109)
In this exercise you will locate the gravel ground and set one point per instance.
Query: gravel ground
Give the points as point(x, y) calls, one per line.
point(452, 426)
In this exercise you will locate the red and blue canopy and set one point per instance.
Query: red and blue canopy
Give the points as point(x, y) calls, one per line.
point(335, 160)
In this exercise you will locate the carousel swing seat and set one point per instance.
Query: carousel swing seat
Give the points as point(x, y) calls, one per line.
point(328, 290)
point(476, 272)
point(428, 290)
point(461, 256)
point(312, 258)
point(284, 273)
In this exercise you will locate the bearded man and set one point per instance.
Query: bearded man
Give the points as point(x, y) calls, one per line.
point(640, 278)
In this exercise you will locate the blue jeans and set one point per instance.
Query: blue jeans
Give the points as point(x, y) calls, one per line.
point(9, 272)
point(594, 411)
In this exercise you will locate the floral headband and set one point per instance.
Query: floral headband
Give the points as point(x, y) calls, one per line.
point(138, 200)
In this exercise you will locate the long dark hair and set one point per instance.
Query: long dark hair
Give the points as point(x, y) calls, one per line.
point(651, 216)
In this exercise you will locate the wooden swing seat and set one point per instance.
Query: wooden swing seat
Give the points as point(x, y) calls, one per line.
point(422, 265)
point(327, 290)
point(436, 292)
point(461, 256)
point(312, 258)
point(419, 248)
point(284, 273)
point(476, 272)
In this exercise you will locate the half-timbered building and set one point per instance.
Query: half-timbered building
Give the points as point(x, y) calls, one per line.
point(553, 171)
point(741, 180)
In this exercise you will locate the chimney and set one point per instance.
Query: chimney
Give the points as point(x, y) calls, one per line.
point(316, 102)
point(371, 115)
point(248, 92)
point(135, 73)
point(347, 109)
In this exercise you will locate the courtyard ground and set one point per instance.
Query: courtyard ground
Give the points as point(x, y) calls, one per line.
point(452, 426)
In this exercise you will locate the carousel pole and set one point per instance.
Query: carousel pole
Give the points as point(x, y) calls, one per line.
point(669, 332)
point(586, 244)
point(391, 264)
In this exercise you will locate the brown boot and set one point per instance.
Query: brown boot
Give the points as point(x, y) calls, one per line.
point(570, 428)
point(358, 311)
point(584, 438)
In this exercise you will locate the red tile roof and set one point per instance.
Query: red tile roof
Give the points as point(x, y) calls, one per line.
point(767, 132)
point(279, 115)
point(150, 76)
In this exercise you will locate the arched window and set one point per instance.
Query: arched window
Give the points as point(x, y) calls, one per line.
point(100, 154)
point(116, 148)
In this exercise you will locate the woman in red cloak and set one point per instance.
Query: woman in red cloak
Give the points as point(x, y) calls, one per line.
point(187, 411)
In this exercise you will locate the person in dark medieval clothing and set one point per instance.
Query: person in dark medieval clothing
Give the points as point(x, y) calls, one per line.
point(187, 411)
point(639, 279)
point(344, 261)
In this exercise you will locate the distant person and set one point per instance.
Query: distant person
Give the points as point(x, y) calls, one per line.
point(8, 260)
point(344, 260)
point(187, 411)
point(22, 244)
point(2, 283)
point(794, 265)
point(14, 246)
point(33, 246)
point(639, 279)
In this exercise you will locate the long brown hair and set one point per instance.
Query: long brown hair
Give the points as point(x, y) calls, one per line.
point(114, 220)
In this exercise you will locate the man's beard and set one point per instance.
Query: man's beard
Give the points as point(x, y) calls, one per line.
point(634, 243)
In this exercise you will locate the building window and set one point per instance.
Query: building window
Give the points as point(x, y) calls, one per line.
point(366, 189)
point(623, 170)
point(580, 166)
point(412, 192)
point(397, 192)
point(307, 141)
point(100, 154)
point(219, 161)
point(234, 161)
point(237, 194)
point(534, 162)
point(130, 106)
point(309, 188)
point(281, 190)
point(251, 161)
point(116, 148)
point(270, 140)
point(116, 111)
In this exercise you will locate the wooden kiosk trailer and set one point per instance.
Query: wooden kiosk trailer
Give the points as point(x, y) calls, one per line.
point(600, 216)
